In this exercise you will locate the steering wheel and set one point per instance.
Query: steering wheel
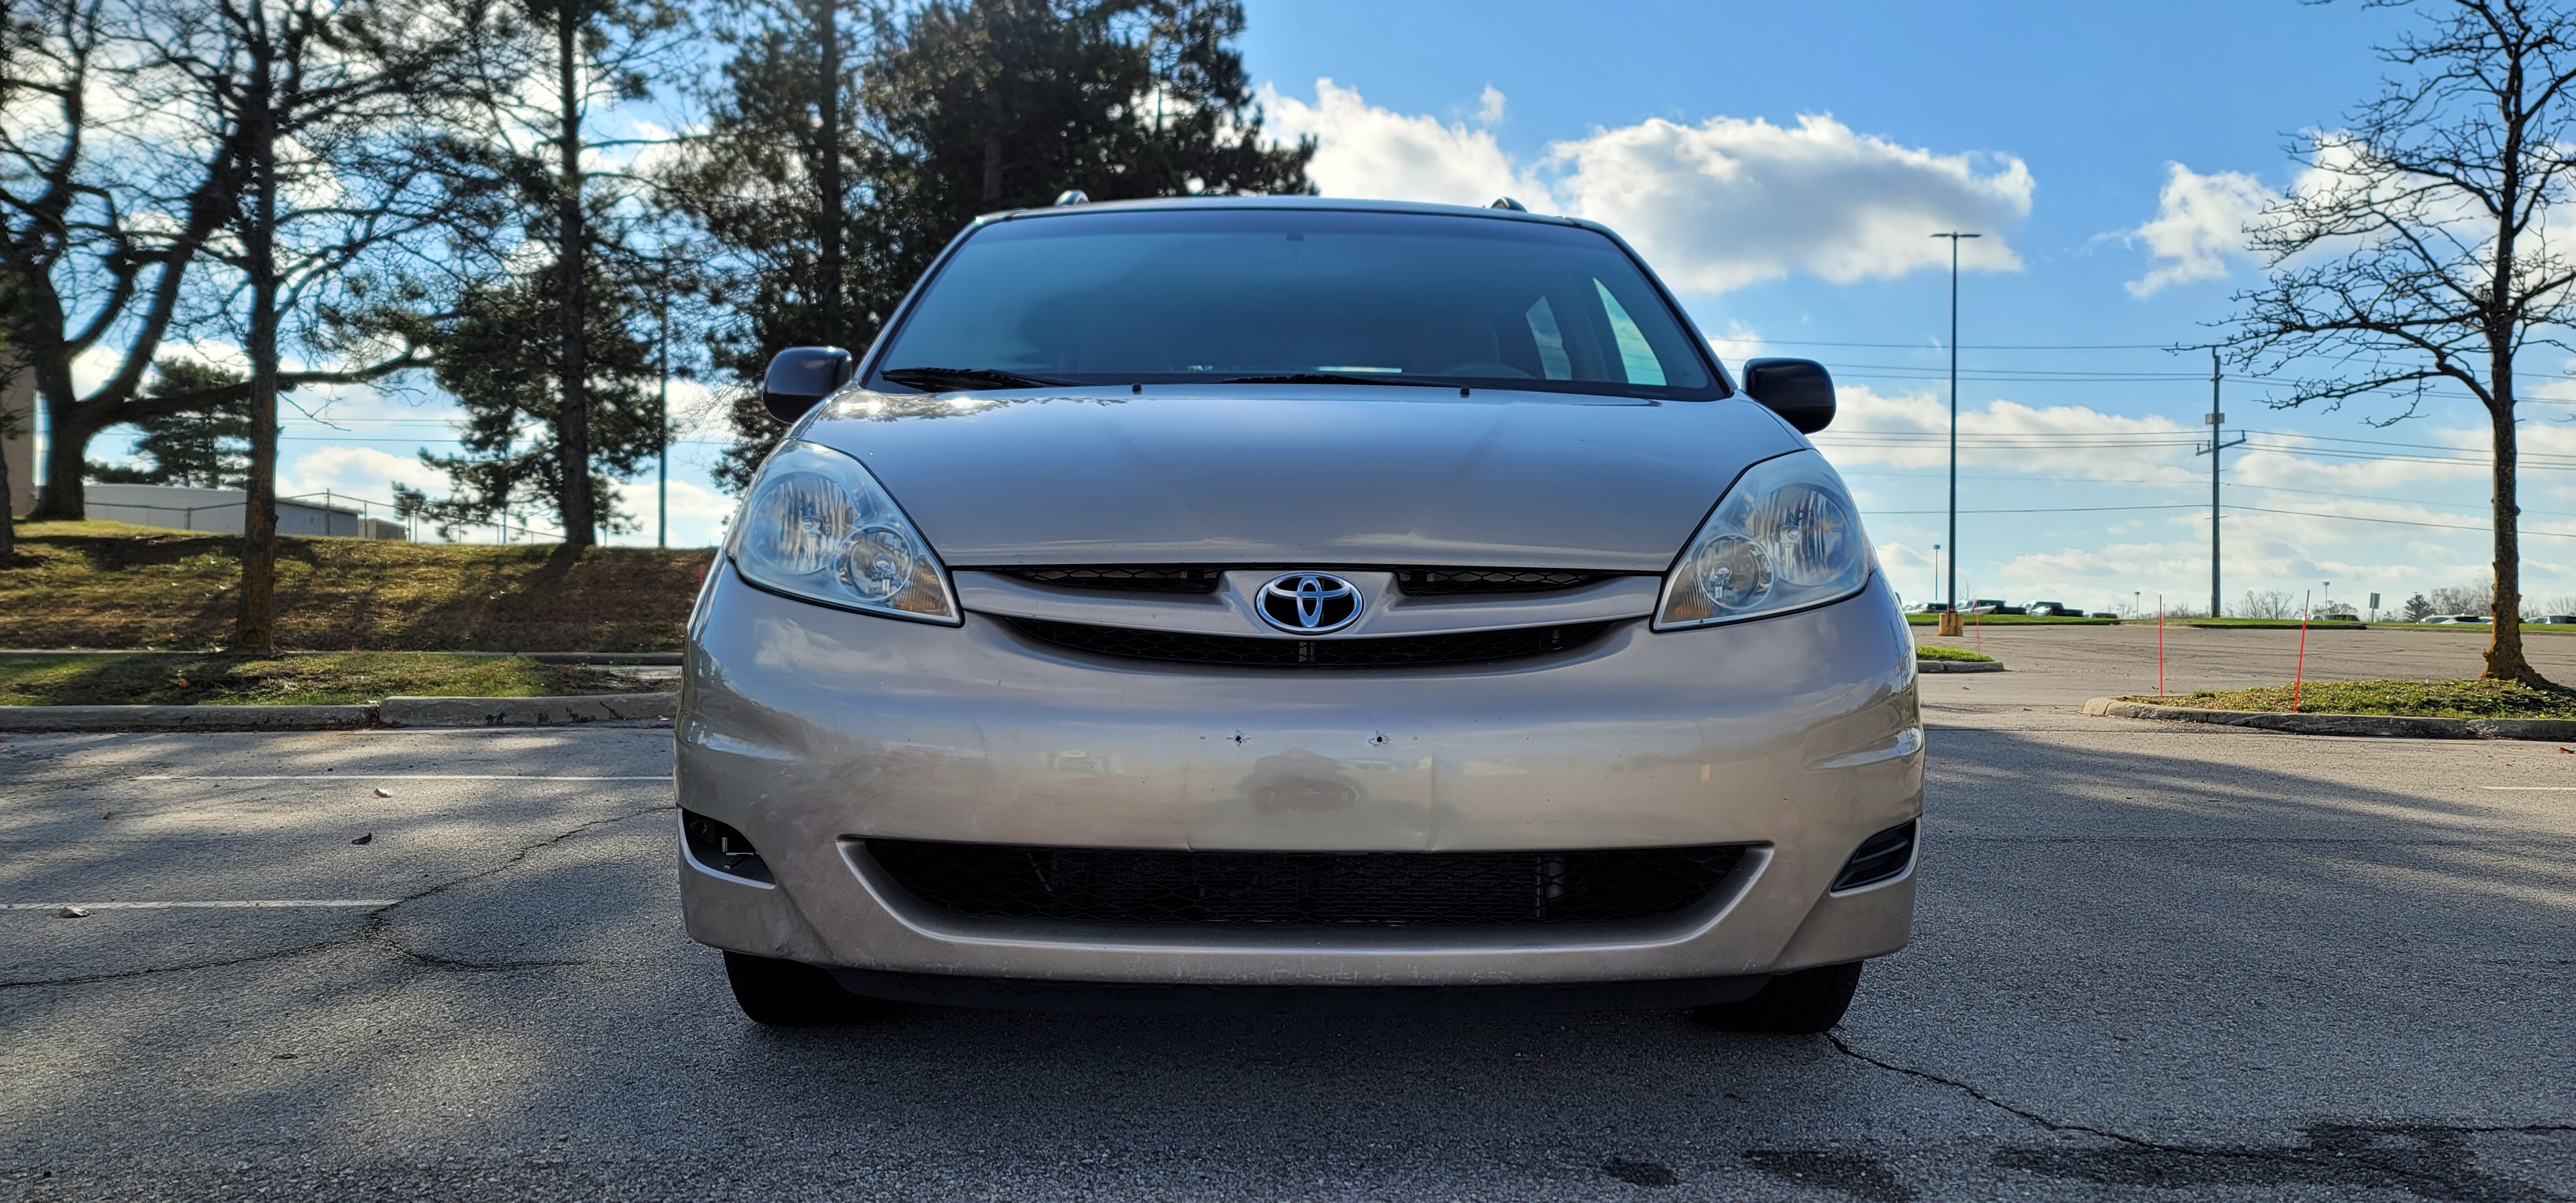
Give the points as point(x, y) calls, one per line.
point(1485, 367)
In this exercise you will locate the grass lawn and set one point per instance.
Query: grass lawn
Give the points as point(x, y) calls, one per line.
point(2412, 699)
point(110, 585)
point(1935, 651)
point(127, 678)
point(2008, 620)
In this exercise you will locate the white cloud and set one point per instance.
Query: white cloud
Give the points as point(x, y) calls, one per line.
point(1910, 430)
point(1729, 202)
point(1739, 343)
point(1715, 206)
point(1363, 151)
point(2198, 231)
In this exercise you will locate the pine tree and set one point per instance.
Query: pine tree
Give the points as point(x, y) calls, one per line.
point(205, 445)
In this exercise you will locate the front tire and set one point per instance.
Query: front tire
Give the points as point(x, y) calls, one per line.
point(1793, 1004)
point(789, 994)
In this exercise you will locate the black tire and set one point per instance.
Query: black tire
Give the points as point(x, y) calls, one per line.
point(788, 994)
point(1793, 1004)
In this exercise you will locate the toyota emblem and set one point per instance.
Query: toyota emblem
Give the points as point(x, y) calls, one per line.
point(1308, 603)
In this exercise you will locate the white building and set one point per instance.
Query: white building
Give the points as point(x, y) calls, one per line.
point(220, 511)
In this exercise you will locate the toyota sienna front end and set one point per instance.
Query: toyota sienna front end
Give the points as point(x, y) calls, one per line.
point(1284, 604)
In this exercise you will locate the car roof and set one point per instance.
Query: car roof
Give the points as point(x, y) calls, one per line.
point(1311, 203)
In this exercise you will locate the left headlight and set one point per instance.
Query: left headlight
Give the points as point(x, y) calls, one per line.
point(1786, 537)
point(819, 527)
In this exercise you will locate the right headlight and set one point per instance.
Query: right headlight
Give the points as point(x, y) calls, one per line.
point(817, 526)
point(1786, 537)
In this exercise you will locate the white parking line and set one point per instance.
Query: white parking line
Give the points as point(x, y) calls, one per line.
point(258, 904)
point(387, 777)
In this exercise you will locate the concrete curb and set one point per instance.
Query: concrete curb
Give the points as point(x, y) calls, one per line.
point(2381, 726)
point(1958, 666)
point(593, 710)
point(612, 708)
point(184, 718)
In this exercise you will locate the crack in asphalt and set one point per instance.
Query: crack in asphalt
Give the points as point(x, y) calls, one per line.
point(2335, 1154)
point(372, 930)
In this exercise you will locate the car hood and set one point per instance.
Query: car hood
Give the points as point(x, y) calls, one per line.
point(1289, 475)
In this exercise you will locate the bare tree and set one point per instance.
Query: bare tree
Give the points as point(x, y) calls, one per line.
point(336, 104)
point(98, 246)
point(2417, 249)
point(2268, 603)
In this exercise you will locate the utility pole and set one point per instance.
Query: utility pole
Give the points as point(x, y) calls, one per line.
point(1950, 617)
point(662, 352)
point(2217, 421)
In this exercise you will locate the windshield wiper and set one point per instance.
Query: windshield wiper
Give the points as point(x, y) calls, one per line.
point(1334, 378)
point(943, 380)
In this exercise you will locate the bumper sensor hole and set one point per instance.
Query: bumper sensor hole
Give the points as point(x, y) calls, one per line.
point(721, 848)
point(1879, 858)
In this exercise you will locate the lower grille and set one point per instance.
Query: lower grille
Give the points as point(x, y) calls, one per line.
point(1400, 651)
point(1315, 889)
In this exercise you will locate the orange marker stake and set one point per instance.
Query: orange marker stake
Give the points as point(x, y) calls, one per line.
point(1980, 626)
point(2299, 675)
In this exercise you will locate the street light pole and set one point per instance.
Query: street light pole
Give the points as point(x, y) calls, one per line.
point(1950, 616)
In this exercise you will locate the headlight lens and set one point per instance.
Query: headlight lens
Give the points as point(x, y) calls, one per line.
point(1785, 538)
point(819, 527)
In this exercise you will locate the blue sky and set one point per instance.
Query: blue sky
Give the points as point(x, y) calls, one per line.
point(1783, 166)
point(2097, 104)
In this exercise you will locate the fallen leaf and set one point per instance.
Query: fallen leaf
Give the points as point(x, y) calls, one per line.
point(382, 794)
point(286, 1056)
point(368, 838)
point(109, 815)
point(71, 912)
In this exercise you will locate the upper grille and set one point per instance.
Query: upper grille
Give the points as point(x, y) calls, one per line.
point(1397, 651)
point(1434, 582)
point(1126, 578)
point(1188, 578)
point(1120, 885)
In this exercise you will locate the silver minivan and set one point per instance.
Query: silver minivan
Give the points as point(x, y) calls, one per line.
point(1282, 604)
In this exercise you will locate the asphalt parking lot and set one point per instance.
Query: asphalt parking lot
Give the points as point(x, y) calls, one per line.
point(2151, 962)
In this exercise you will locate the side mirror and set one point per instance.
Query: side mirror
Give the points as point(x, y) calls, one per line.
point(800, 377)
point(1797, 389)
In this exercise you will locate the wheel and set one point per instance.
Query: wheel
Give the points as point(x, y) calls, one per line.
point(1792, 1004)
point(787, 994)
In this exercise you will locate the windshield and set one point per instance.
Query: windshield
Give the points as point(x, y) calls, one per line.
point(1294, 295)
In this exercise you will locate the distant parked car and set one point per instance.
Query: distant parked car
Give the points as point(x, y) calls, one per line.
point(2049, 609)
point(2556, 619)
point(2103, 614)
point(2339, 616)
point(1991, 605)
point(2459, 619)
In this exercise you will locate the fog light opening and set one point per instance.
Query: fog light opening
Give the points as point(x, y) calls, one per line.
point(1881, 857)
point(719, 848)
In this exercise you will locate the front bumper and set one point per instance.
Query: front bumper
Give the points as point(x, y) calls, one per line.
point(808, 729)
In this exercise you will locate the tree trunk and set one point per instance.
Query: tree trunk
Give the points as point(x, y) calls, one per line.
point(572, 419)
point(255, 626)
point(8, 504)
point(2505, 661)
point(68, 430)
point(68, 427)
point(829, 215)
